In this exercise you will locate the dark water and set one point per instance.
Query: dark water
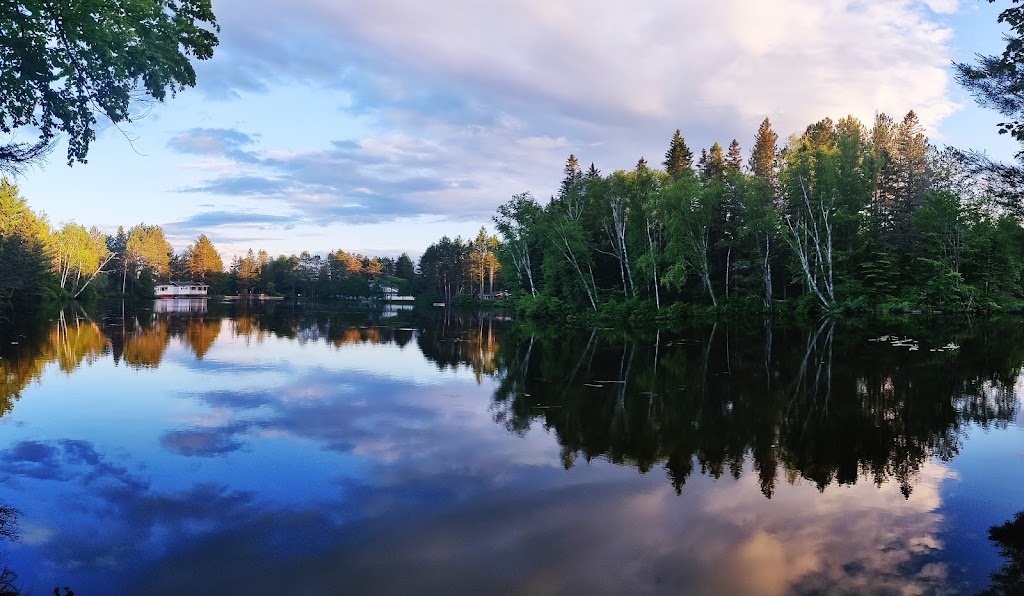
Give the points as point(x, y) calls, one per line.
point(277, 450)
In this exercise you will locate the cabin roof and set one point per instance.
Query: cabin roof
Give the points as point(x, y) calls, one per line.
point(184, 283)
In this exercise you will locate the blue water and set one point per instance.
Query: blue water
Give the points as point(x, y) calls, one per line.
point(311, 455)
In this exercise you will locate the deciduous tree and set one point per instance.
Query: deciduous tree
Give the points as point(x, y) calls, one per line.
point(64, 64)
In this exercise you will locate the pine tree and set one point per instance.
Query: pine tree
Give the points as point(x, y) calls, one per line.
point(763, 156)
point(911, 163)
point(404, 268)
point(678, 158)
point(641, 165)
point(593, 172)
point(716, 163)
point(573, 174)
point(883, 147)
point(734, 158)
point(24, 270)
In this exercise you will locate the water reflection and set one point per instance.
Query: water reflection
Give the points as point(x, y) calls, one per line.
point(818, 404)
point(308, 442)
point(1010, 539)
point(822, 405)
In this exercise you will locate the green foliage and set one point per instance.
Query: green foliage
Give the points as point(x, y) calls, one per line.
point(202, 260)
point(678, 159)
point(845, 218)
point(996, 81)
point(63, 64)
point(24, 268)
point(543, 308)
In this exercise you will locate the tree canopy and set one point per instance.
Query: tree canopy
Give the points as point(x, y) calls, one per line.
point(203, 259)
point(63, 64)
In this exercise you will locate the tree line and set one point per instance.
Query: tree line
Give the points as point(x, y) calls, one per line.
point(39, 262)
point(339, 274)
point(842, 216)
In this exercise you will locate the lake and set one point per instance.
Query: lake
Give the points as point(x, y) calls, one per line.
point(194, 448)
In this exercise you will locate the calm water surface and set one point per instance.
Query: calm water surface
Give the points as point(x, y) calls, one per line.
point(276, 450)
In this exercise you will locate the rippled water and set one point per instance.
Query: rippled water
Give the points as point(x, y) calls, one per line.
point(303, 451)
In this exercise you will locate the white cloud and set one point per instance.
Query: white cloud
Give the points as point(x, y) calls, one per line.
point(943, 6)
point(476, 102)
point(597, 69)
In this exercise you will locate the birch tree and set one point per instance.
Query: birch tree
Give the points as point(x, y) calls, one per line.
point(517, 222)
point(79, 256)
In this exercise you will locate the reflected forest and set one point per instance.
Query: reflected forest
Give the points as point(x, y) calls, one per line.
point(829, 403)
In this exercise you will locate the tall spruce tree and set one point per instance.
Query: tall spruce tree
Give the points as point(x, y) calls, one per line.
point(715, 168)
point(763, 156)
point(678, 158)
point(911, 163)
point(573, 174)
point(734, 157)
point(24, 271)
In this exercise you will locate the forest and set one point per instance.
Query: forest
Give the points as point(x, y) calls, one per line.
point(842, 217)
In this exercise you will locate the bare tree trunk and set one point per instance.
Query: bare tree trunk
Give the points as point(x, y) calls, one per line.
point(570, 257)
point(654, 264)
point(699, 242)
point(814, 253)
point(728, 260)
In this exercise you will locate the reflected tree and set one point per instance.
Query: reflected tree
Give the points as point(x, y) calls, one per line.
point(826, 404)
point(1009, 537)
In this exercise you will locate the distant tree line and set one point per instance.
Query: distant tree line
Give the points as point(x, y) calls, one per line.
point(338, 275)
point(39, 263)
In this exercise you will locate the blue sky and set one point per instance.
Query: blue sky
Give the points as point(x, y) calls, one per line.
point(379, 127)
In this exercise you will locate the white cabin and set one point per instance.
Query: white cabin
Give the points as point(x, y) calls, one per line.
point(182, 289)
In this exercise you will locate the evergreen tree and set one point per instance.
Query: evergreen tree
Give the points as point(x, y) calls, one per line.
point(996, 81)
point(911, 163)
point(763, 156)
point(573, 174)
point(476, 262)
point(24, 270)
point(715, 167)
point(678, 158)
point(404, 268)
point(247, 271)
point(734, 158)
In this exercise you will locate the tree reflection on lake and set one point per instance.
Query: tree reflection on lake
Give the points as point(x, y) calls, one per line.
point(284, 448)
point(826, 405)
